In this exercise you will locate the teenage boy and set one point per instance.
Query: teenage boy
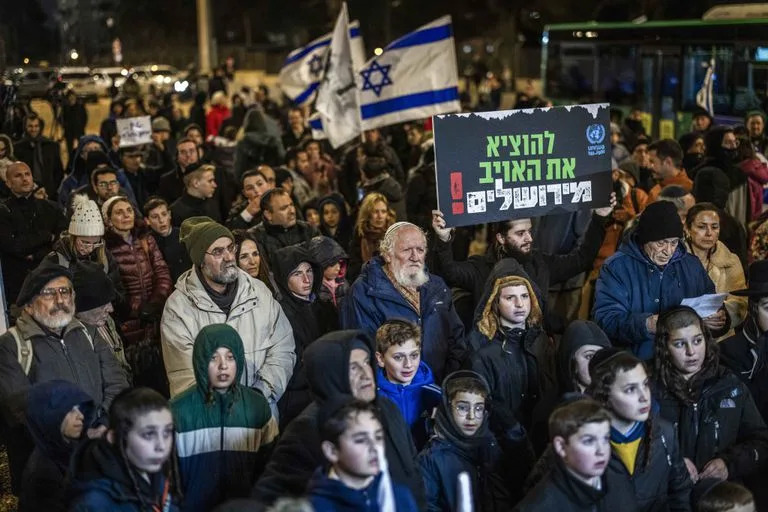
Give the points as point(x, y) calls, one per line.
point(353, 445)
point(404, 378)
point(581, 441)
point(224, 430)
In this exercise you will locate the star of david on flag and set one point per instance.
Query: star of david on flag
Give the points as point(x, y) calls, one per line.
point(373, 82)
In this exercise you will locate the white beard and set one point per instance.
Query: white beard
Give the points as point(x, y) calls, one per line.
point(411, 278)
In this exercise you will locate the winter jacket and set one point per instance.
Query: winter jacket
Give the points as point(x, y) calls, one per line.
point(757, 176)
point(174, 253)
point(416, 400)
point(331, 495)
point(145, 276)
point(100, 481)
point(188, 206)
point(266, 333)
point(223, 440)
point(450, 452)
point(88, 363)
point(389, 187)
point(309, 320)
point(517, 363)
point(171, 188)
point(273, 237)
point(560, 491)
point(43, 156)
point(373, 299)
point(724, 423)
point(630, 288)
point(48, 404)
point(216, 115)
point(746, 355)
point(727, 274)
point(28, 228)
point(298, 452)
point(325, 251)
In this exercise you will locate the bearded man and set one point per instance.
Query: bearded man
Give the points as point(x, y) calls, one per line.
point(396, 284)
point(48, 344)
point(216, 291)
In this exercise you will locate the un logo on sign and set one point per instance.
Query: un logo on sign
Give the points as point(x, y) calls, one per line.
point(595, 133)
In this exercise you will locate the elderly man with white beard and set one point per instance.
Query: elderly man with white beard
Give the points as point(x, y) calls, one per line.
point(396, 284)
point(216, 291)
point(48, 344)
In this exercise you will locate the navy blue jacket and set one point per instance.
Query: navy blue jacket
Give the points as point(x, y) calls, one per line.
point(328, 495)
point(373, 299)
point(415, 400)
point(631, 288)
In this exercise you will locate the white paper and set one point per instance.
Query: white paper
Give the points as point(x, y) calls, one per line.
point(706, 305)
point(134, 131)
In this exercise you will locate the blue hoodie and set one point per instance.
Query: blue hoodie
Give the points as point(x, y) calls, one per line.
point(329, 495)
point(631, 288)
point(415, 400)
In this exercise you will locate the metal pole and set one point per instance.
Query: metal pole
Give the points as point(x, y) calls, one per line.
point(204, 36)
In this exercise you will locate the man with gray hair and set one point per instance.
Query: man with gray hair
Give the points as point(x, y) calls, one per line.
point(396, 284)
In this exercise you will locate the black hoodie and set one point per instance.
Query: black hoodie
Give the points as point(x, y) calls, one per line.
point(343, 234)
point(309, 319)
point(298, 453)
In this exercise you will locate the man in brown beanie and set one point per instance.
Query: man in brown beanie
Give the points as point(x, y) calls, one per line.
point(650, 273)
point(214, 291)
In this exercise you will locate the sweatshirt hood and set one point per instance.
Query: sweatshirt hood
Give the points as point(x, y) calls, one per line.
point(337, 200)
point(446, 426)
point(210, 339)
point(326, 361)
point(77, 163)
point(287, 259)
point(325, 251)
point(576, 335)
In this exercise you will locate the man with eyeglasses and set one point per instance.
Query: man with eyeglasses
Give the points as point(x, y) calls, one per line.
point(214, 291)
point(650, 273)
point(28, 228)
point(55, 346)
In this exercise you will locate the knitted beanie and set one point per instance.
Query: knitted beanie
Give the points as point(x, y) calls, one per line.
point(198, 233)
point(86, 219)
point(659, 221)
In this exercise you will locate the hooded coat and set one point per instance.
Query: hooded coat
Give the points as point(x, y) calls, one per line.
point(100, 480)
point(630, 288)
point(309, 320)
point(223, 440)
point(255, 314)
point(331, 495)
point(518, 364)
point(298, 452)
point(343, 232)
point(325, 252)
point(373, 299)
point(450, 452)
point(48, 404)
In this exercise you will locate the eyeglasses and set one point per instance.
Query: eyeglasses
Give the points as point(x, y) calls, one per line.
point(219, 251)
point(50, 293)
point(464, 408)
point(90, 245)
point(108, 184)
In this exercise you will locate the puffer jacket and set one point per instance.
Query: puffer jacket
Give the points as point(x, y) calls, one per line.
point(145, 276)
point(91, 365)
point(223, 440)
point(631, 288)
point(724, 423)
point(255, 314)
point(727, 274)
point(373, 299)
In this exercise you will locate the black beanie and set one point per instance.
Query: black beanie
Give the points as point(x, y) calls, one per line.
point(38, 278)
point(659, 221)
point(93, 288)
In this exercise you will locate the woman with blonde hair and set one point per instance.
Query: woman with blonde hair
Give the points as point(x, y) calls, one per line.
point(373, 219)
point(217, 114)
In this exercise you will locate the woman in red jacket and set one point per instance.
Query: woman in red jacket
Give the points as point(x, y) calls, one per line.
point(218, 113)
point(147, 283)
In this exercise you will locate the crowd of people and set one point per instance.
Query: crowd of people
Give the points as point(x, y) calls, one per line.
point(238, 317)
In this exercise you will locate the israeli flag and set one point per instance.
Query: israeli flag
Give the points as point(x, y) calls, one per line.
point(415, 77)
point(704, 96)
point(303, 68)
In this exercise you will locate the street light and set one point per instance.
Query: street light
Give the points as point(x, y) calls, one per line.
point(74, 55)
point(378, 51)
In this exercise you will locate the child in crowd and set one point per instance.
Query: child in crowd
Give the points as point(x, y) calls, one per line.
point(58, 413)
point(722, 496)
point(224, 431)
point(645, 446)
point(130, 470)
point(330, 256)
point(463, 442)
point(356, 479)
point(580, 433)
point(404, 378)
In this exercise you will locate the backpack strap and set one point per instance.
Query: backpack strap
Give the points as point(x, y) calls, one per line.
point(23, 350)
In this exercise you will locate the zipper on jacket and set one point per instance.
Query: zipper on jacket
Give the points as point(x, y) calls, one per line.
point(717, 436)
point(696, 419)
point(69, 361)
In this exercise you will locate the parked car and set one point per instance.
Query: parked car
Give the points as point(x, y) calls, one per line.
point(31, 82)
point(162, 76)
point(80, 80)
point(109, 80)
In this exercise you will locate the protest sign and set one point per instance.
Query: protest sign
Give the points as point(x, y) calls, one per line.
point(134, 131)
point(493, 166)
